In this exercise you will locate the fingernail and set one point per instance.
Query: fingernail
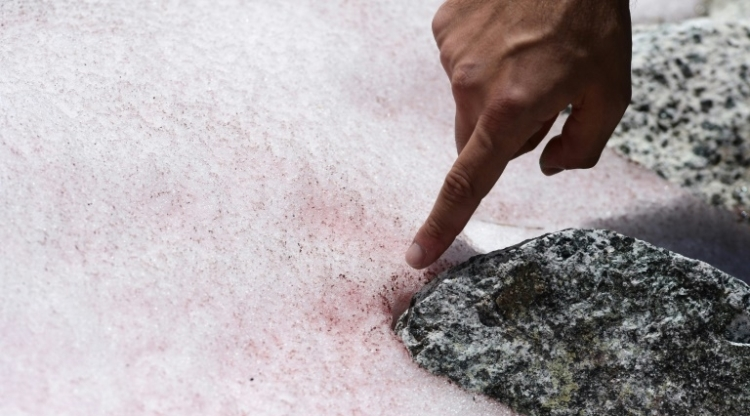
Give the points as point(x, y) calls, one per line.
point(415, 256)
point(551, 171)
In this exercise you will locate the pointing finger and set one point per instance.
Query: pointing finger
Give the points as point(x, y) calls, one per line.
point(472, 176)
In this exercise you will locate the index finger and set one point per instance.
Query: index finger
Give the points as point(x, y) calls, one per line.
point(469, 180)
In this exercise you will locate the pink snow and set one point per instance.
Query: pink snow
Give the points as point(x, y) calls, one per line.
point(205, 207)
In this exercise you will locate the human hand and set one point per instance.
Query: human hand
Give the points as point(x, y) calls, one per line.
point(513, 66)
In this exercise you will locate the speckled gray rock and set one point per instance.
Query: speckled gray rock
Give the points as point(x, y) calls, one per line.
point(729, 9)
point(689, 119)
point(584, 322)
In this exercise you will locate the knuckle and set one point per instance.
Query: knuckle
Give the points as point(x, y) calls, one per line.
point(464, 79)
point(506, 108)
point(444, 15)
point(435, 229)
point(483, 139)
point(511, 104)
point(440, 22)
point(458, 187)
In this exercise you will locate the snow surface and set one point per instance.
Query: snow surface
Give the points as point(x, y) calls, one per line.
point(205, 207)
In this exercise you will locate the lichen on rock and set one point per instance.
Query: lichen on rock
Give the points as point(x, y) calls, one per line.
point(588, 322)
point(689, 118)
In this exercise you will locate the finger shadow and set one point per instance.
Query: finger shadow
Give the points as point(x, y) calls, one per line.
point(693, 229)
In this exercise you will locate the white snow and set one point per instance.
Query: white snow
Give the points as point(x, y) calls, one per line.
point(205, 206)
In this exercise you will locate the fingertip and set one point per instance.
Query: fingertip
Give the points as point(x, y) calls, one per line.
point(415, 256)
point(428, 245)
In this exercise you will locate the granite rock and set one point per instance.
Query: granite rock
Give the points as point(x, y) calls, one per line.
point(689, 119)
point(587, 322)
point(729, 9)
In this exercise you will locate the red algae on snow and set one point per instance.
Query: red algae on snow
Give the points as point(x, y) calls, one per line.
point(205, 207)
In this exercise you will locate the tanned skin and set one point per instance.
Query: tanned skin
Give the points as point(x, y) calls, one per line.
point(513, 66)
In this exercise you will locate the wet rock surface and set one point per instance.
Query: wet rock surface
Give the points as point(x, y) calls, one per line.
point(588, 322)
point(689, 119)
